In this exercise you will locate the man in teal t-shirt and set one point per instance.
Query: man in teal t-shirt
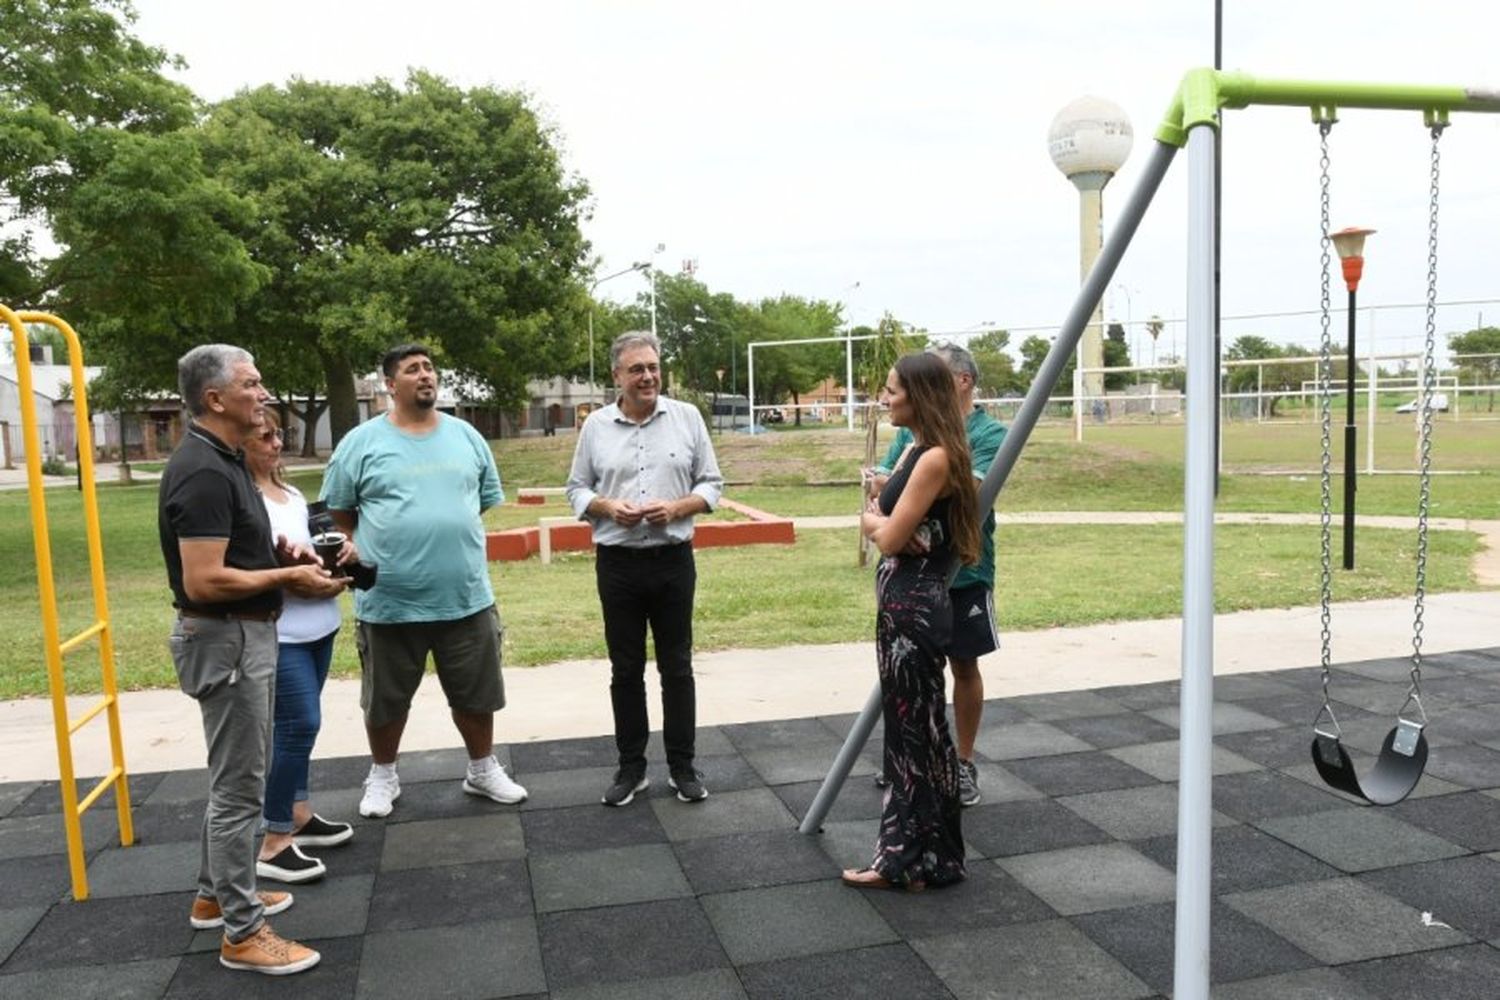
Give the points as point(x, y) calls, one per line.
point(410, 486)
point(975, 627)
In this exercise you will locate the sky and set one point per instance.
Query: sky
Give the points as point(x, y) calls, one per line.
point(893, 157)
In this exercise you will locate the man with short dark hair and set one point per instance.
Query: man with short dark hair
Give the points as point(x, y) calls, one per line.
point(642, 468)
point(410, 487)
point(975, 626)
point(227, 572)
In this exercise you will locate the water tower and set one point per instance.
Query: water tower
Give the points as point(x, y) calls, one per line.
point(1089, 141)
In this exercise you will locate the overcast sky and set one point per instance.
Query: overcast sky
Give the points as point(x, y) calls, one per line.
point(806, 147)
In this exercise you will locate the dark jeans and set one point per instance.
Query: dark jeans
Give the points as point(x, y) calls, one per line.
point(301, 669)
point(653, 586)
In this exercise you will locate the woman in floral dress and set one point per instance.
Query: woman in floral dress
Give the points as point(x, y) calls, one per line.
point(924, 522)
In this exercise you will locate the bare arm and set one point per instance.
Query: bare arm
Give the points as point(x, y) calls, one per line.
point(207, 580)
point(891, 534)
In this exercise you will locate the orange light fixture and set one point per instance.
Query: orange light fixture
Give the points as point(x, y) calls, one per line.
point(1350, 243)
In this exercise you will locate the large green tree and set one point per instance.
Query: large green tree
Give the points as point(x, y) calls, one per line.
point(1484, 340)
point(790, 371)
point(1033, 352)
point(997, 369)
point(390, 212)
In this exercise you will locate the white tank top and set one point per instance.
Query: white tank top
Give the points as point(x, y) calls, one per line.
point(302, 620)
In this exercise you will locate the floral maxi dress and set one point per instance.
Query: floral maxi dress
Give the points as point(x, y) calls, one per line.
point(920, 838)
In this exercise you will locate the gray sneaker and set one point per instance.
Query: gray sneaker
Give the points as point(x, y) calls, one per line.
point(968, 783)
point(622, 790)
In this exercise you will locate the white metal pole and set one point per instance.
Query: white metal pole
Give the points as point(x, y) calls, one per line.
point(750, 376)
point(849, 378)
point(1078, 399)
point(1195, 748)
point(1372, 381)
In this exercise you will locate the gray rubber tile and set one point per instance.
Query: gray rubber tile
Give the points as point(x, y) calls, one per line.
point(1309, 984)
point(808, 762)
point(1270, 747)
point(1469, 819)
point(1142, 696)
point(560, 789)
point(611, 876)
point(438, 800)
point(781, 733)
point(31, 836)
point(494, 837)
point(177, 787)
point(1358, 840)
point(13, 794)
point(642, 941)
point(166, 822)
point(144, 980)
point(1245, 858)
point(987, 897)
point(1472, 724)
point(1256, 795)
point(851, 843)
point(449, 894)
point(742, 860)
point(1161, 760)
point(1087, 879)
point(708, 741)
point(1342, 920)
point(328, 773)
point(721, 773)
point(857, 799)
point(1008, 828)
point(1109, 731)
point(1240, 688)
point(730, 812)
point(145, 869)
point(585, 828)
point(714, 984)
point(1056, 705)
point(1228, 718)
point(41, 880)
point(106, 932)
point(1132, 813)
point(892, 970)
point(1469, 766)
point(1460, 892)
point(1077, 773)
point(201, 977)
point(333, 907)
point(1469, 973)
point(434, 765)
point(563, 755)
point(16, 921)
point(1026, 739)
point(1141, 937)
point(487, 959)
point(763, 925)
point(1041, 961)
point(360, 856)
point(998, 784)
point(45, 797)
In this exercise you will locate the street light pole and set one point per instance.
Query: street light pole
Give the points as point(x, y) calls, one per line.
point(652, 265)
point(1350, 244)
point(639, 265)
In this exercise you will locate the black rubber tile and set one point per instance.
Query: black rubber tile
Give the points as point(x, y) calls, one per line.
point(1272, 747)
point(710, 984)
point(1026, 739)
point(780, 734)
point(1243, 688)
point(495, 837)
point(201, 977)
point(446, 799)
point(708, 741)
point(1309, 984)
point(169, 822)
point(1244, 858)
point(1469, 819)
point(1011, 828)
point(143, 980)
point(16, 921)
point(1109, 731)
point(360, 856)
point(45, 798)
point(1460, 892)
point(1077, 773)
point(1141, 937)
point(1471, 724)
point(563, 755)
point(335, 906)
point(805, 918)
point(727, 812)
point(1257, 795)
point(145, 869)
point(328, 773)
point(892, 970)
point(987, 897)
point(752, 860)
point(641, 941)
point(1469, 766)
point(1468, 973)
point(1132, 813)
point(586, 828)
point(612, 876)
point(13, 793)
point(1048, 959)
point(578, 786)
point(449, 894)
point(1143, 696)
point(36, 881)
point(734, 773)
point(492, 958)
point(106, 931)
point(1055, 705)
point(1162, 760)
point(808, 762)
point(857, 799)
point(29, 836)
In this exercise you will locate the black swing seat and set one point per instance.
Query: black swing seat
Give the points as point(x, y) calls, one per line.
point(1396, 772)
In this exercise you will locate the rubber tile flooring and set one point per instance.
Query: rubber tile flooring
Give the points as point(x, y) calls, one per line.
point(1070, 875)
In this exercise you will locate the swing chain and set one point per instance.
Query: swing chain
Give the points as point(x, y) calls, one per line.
point(1325, 378)
point(1429, 379)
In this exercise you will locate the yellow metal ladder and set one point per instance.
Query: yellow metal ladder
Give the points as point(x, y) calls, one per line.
point(55, 646)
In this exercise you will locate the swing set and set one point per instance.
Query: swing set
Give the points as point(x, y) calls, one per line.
point(1191, 123)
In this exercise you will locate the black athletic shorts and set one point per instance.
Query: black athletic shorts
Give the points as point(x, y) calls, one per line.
point(974, 625)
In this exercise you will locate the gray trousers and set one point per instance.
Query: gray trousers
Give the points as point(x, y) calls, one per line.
point(229, 667)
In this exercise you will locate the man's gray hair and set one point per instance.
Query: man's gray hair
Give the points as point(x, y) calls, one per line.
point(958, 359)
point(209, 366)
point(629, 339)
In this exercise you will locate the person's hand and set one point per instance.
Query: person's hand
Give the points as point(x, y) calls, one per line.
point(874, 480)
point(659, 511)
point(624, 513)
point(312, 581)
point(348, 554)
point(916, 545)
point(291, 554)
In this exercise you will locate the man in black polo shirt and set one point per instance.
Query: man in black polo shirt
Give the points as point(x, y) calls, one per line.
point(226, 572)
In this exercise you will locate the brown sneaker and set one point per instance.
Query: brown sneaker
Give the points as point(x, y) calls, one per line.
point(268, 952)
point(206, 914)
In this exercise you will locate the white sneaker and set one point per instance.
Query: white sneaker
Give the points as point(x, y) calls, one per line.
point(494, 784)
point(381, 792)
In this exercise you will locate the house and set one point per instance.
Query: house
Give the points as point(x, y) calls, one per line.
point(52, 402)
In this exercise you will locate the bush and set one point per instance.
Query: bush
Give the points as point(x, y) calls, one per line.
point(54, 466)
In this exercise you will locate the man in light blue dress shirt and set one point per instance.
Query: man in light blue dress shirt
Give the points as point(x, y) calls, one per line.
point(643, 467)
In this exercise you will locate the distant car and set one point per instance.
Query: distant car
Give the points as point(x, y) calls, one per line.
point(773, 417)
point(1439, 403)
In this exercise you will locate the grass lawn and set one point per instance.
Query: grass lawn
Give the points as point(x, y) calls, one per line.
point(763, 596)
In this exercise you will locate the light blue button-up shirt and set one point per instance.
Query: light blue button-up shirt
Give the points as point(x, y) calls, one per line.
point(664, 457)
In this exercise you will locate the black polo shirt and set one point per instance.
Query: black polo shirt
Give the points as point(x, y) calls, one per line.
point(206, 492)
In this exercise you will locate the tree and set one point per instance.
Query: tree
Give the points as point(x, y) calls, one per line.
point(1279, 380)
point(1478, 371)
point(388, 213)
point(997, 369)
point(1116, 355)
point(793, 371)
point(1033, 352)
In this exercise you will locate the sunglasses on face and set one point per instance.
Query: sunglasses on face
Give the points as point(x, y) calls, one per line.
point(276, 435)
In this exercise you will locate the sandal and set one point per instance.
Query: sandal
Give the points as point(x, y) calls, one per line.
point(869, 878)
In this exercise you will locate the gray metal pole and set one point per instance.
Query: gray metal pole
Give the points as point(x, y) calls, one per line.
point(1020, 429)
point(1195, 733)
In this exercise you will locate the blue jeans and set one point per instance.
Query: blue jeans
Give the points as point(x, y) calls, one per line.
point(301, 669)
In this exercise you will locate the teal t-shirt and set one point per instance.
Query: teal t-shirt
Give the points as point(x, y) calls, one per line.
point(985, 434)
point(418, 498)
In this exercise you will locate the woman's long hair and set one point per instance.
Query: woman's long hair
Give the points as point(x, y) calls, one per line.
point(937, 419)
point(273, 423)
